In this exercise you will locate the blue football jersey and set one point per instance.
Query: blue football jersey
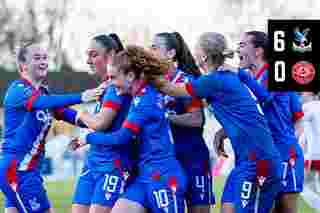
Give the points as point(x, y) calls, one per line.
point(238, 113)
point(147, 123)
point(105, 158)
point(28, 114)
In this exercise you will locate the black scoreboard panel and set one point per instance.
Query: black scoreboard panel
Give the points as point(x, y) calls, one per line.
point(294, 49)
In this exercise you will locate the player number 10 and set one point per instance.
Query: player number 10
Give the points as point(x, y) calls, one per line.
point(279, 71)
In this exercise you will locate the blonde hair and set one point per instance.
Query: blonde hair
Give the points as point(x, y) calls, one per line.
point(215, 47)
point(23, 50)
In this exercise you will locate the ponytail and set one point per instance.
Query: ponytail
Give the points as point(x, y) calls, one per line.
point(184, 58)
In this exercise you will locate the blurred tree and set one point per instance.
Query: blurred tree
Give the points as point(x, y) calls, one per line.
point(37, 22)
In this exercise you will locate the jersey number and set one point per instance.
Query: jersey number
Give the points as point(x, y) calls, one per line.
point(161, 197)
point(246, 190)
point(200, 183)
point(110, 183)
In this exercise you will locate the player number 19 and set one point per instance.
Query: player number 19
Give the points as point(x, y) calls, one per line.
point(278, 41)
point(279, 71)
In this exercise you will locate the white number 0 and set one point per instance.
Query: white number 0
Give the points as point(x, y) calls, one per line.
point(279, 71)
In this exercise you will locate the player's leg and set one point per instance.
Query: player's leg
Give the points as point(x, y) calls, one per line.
point(83, 193)
point(125, 205)
point(95, 208)
point(289, 202)
point(227, 208)
point(167, 194)
point(133, 200)
point(78, 208)
point(227, 198)
point(11, 210)
point(266, 190)
point(50, 211)
point(32, 193)
point(200, 195)
point(8, 182)
point(292, 185)
point(252, 195)
point(315, 167)
point(9, 206)
point(109, 187)
point(200, 209)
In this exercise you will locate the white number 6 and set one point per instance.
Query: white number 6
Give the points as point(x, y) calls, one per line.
point(278, 44)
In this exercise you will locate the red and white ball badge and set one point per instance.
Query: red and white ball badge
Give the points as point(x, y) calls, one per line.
point(303, 72)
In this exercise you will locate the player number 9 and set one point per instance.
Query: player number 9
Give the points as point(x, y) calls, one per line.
point(246, 190)
point(279, 71)
point(278, 44)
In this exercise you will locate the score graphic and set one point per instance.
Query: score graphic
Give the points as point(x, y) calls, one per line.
point(292, 51)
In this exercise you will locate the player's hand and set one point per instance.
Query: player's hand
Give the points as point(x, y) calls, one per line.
point(93, 94)
point(76, 143)
point(80, 115)
point(218, 143)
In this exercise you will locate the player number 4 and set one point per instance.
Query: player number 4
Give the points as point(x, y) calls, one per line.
point(278, 44)
point(200, 182)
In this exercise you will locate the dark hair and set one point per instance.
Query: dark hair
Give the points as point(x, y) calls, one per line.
point(183, 55)
point(137, 60)
point(260, 39)
point(118, 42)
point(109, 42)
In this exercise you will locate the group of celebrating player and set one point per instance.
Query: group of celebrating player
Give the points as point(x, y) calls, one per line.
point(147, 152)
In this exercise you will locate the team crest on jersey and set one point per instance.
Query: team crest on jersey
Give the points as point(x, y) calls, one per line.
point(261, 180)
point(202, 196)
point(27, 90)
point(43, 116)
point(284, 183)
point(244, 203)
point(108, 195)
point(292, 162)
point(35, 206)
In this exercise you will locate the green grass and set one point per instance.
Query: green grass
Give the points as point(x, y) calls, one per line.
point(60, 194)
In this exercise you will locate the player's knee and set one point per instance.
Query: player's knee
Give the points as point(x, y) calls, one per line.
point(227, 208)
point(11, 210)
point(289, 202)
point(199, 209)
